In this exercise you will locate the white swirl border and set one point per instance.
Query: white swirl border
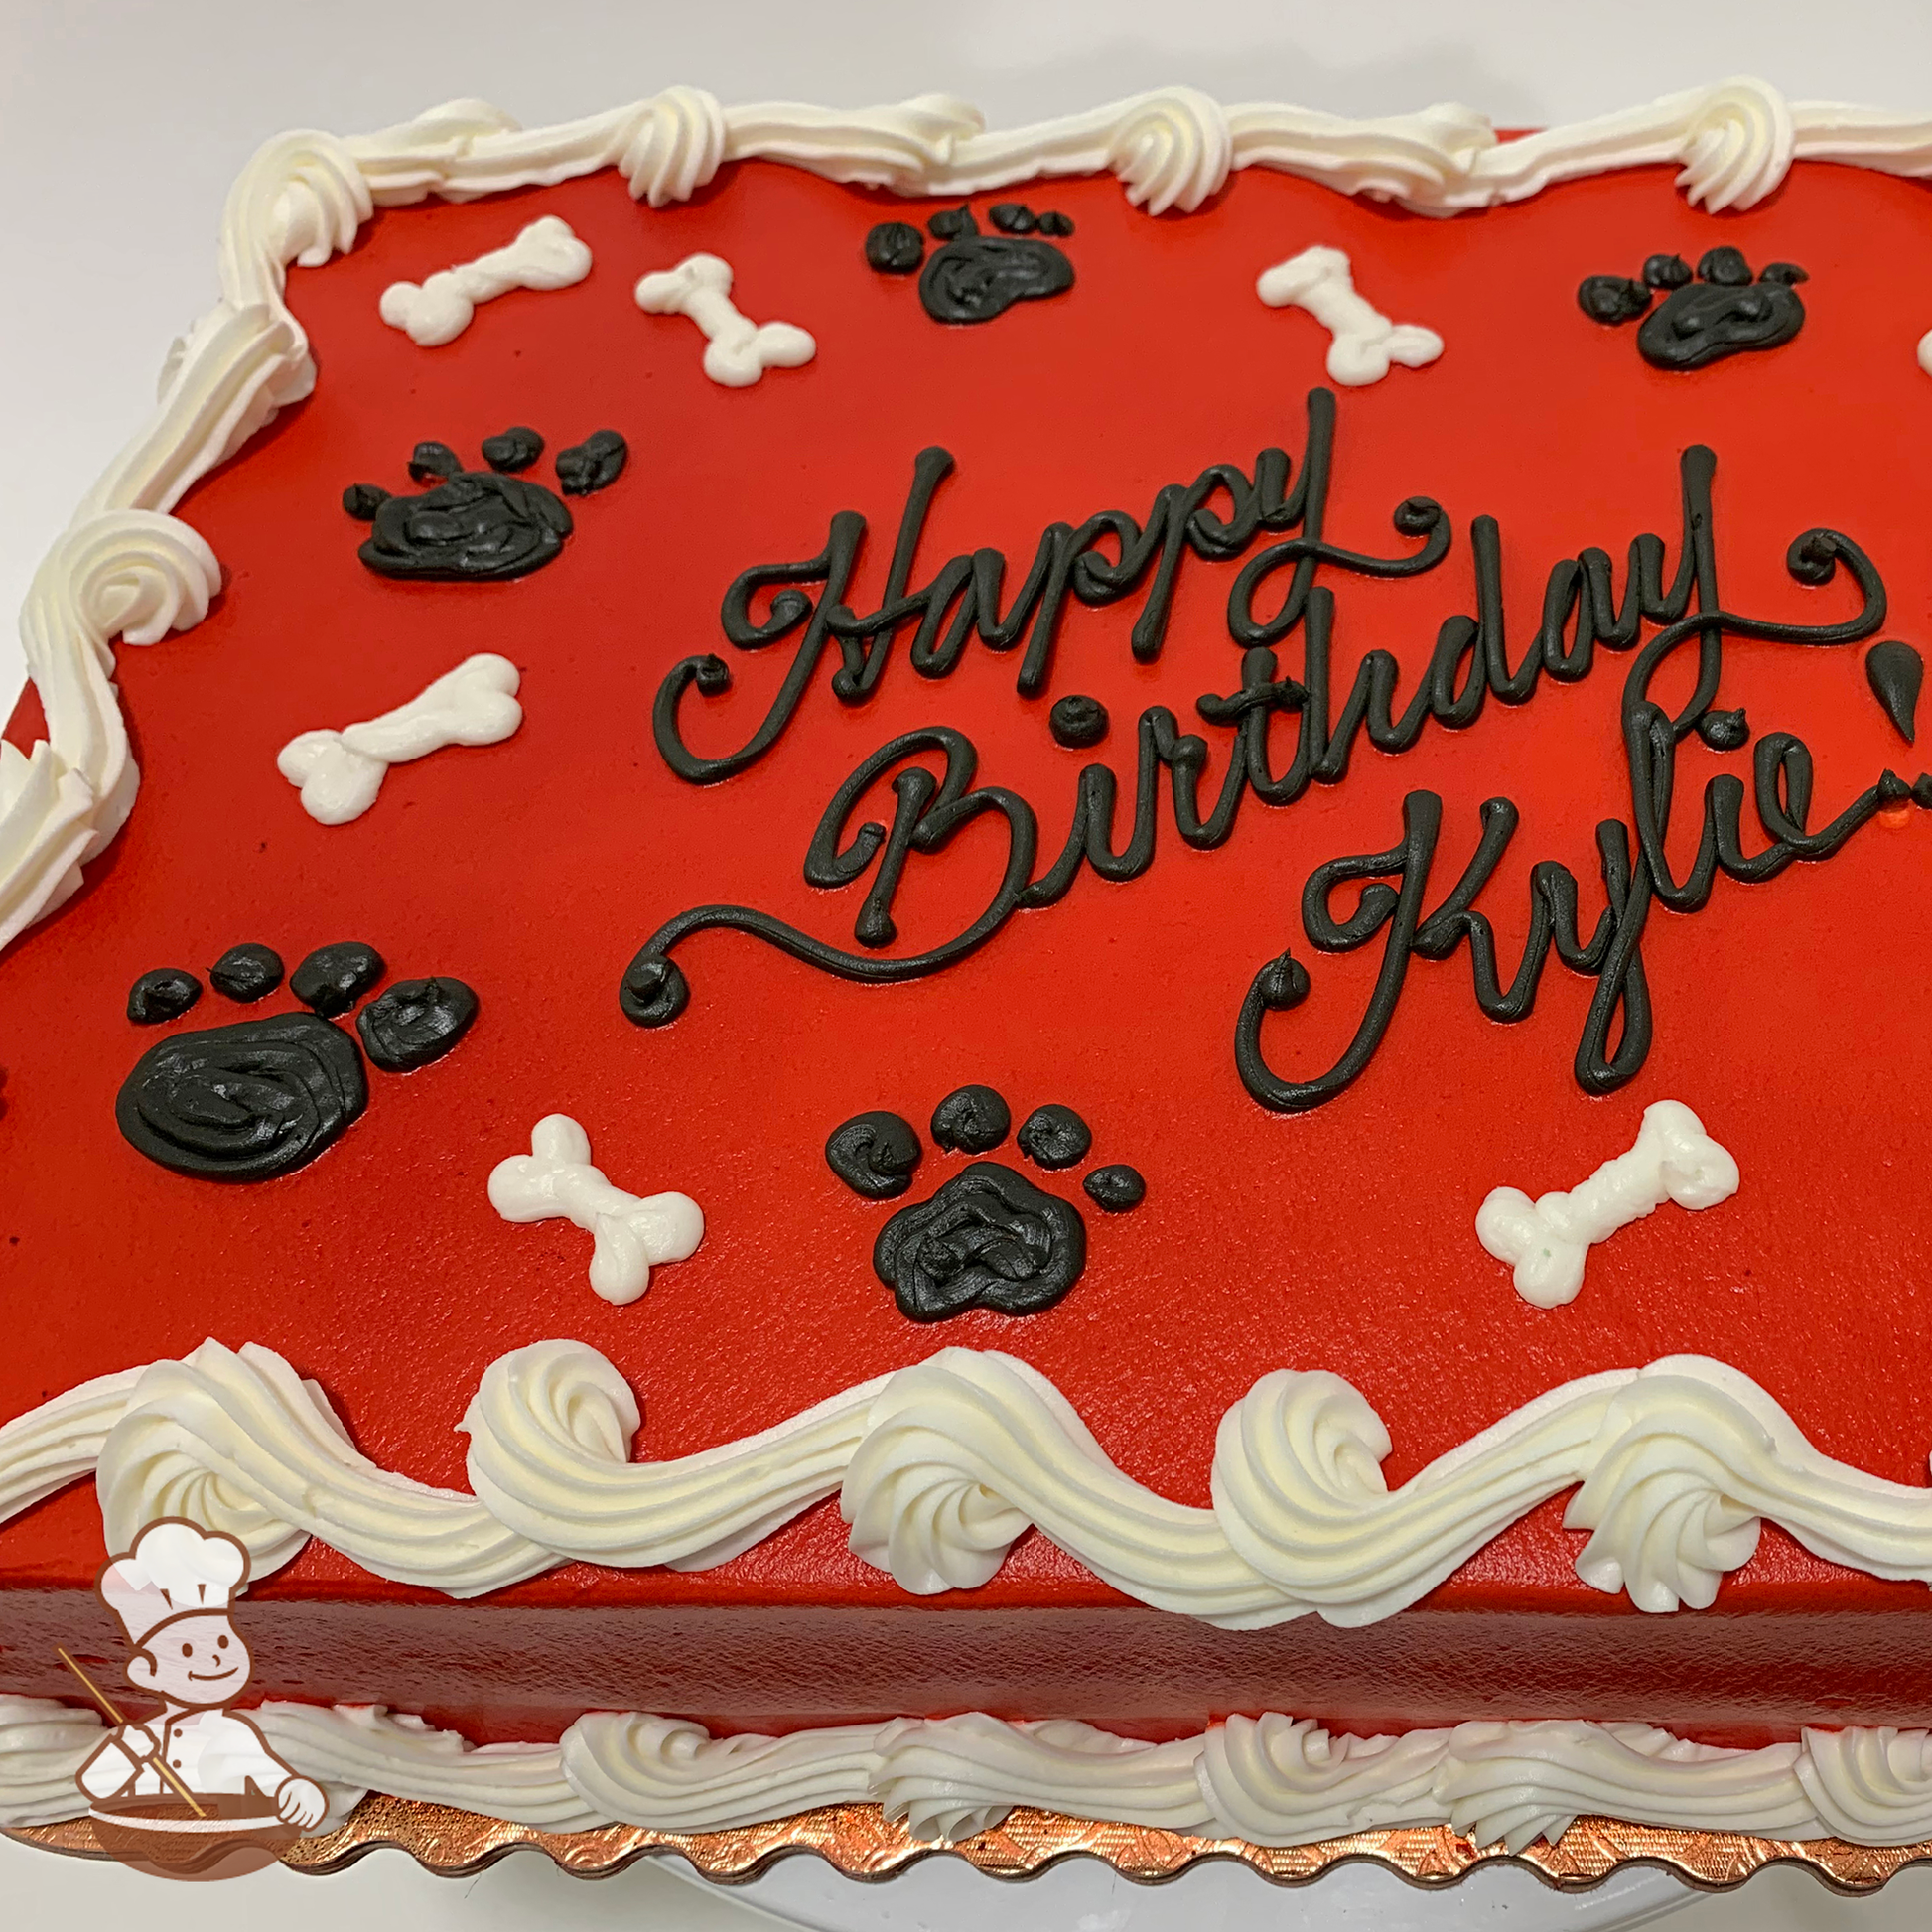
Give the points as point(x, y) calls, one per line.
point(126, 568)
point(941, 1467)
point(1272, 1780)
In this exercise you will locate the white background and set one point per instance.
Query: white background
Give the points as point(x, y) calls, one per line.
point(122, 123)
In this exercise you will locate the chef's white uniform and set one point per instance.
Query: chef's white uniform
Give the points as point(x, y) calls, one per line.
point(207, 1750)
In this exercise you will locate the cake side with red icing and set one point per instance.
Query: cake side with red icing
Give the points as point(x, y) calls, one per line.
point(1317, 1109)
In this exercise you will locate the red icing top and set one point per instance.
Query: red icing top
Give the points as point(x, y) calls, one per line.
point(1790, 1014)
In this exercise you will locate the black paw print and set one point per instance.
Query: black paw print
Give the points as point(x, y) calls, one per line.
point(480, 523)
point(263, 1096)
point(1703, 320)
point(988, 1238)
point(973, 277)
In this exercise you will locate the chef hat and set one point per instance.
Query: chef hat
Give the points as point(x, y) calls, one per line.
point(175, 1568)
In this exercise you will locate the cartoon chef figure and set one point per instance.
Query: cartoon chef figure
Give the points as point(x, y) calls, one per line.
point(172, 1592)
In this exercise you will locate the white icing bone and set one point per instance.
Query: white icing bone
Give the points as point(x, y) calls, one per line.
point(555, 1180)
point(1548, 1240)
point(737, 349)
point(1365, 341)
point(545, 256)
point(340, 773)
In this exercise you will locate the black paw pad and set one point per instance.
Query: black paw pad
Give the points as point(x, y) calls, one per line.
point(874, 1155)
point(164, 994)
point(970, 276)
point(415, 1022)
point(480, 524)
point(1054, 1137)
point(263, 1096)
point(971, 1120)
point(987, 1239)
point(244, 1102)
point(1718, 312)
point(333, 977)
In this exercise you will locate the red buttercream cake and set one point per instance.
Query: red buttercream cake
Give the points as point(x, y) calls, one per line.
point(947, 630)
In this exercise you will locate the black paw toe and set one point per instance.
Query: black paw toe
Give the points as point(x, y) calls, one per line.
point(971, 1120)
point(244, 1102)
point(593, 464)
point(1054, 1137)
point(516, 449)
point(1117, 1188)
point(333, 977)
point(165, 993)
point(415, 1023)
point(874, 1155)
point(246, 972)
point(894, 248)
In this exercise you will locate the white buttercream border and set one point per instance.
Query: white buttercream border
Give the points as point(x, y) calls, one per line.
point(1271, 1780)
point(941, 1467)
point(127, 569)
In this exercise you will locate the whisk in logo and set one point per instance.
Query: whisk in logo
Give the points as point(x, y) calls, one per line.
point(193, 1791)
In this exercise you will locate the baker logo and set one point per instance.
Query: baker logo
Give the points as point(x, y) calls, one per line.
point(194, 1792)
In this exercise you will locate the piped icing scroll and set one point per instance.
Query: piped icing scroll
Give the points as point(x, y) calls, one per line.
point(1278, 592)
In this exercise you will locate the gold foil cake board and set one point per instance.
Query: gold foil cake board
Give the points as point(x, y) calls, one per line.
point(860, 1841)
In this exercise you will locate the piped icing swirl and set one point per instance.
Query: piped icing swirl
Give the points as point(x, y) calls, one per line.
point(1738, 147)
point(948, 1778)
point(673, 145)
point(1172, 149)
point(350, 1748)
point(131, 573)
point(237, 1441)
point(1869, 1786)
point(549, 1453)
point(670, 1774)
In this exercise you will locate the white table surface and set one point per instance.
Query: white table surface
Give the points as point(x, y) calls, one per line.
point(122, 123)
